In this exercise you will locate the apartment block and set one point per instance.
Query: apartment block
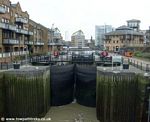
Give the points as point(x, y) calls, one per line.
point(78, 39)
point(123, 37)
point(39, 40)
point(14, 29)
point(19, 35)
point(55, 40)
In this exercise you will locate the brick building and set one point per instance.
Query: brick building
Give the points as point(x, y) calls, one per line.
point(20, 35)
point(14, 29)
point(123, 37)
point(38, 41)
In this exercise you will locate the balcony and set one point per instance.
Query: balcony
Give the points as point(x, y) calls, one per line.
point(4, 25)
point(14, 53)
point(7, 26)
point(39, 43)
point(22, 31)
point(10, 41)
point(28, 42)
point(21, 42)
point(12, 27)
point(30, 33)
point(55, 44)
point(2, 10)
point(21, 20)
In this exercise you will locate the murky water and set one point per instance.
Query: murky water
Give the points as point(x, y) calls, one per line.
point(72, 113)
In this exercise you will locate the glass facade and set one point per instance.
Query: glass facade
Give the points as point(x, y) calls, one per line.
point(100, 31)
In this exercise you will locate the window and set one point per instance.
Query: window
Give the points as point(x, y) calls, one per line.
point(6, 21)
point(8, 9)
point(113, 41)
point(3, 6)
point(117, 41)
point(20, 26)
point(107, 48)
point(3, 20)
point(114, 48)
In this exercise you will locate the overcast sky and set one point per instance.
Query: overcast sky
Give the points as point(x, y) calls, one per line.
point(72, 15)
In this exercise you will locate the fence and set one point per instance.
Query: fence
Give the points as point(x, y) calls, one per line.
point(140, 65)
point(120, 97)
point(70, 59)
point(9, 65)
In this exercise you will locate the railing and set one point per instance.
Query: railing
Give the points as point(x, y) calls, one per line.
point(16, 53)
point(50, 59)
point(39, 43)
point(140, 65)
point(28, 42)
point(51, 44)
point(4, 25)
point(22, 20)
point(7, 26)
point(6, 54)
point(10, 41)
point(9, 65)
point(12, 27)
point(22, 31)
point(30, 33)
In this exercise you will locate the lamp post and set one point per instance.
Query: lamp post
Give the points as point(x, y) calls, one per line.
point(26, 56)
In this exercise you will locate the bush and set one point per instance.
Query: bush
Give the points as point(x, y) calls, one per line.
point(138, 54)
point(142, 55)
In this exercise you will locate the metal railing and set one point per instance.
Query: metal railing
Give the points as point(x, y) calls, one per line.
point(16, 53)
point(10, 41)
point(140, 65)
point(22, 20)
point(9, 65)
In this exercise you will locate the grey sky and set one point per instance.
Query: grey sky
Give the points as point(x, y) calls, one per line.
point(72, 15)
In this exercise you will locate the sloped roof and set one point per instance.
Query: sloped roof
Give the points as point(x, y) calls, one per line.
point(79, 32)
point(133, 20)
point(14, 5)
point(124, 30)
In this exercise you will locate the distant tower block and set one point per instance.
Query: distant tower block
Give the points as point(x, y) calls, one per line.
point(67, 36)
point(135, 24)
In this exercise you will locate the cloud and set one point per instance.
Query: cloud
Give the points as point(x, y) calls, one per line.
point(72, 15)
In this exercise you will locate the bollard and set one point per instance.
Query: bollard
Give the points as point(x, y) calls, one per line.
point(1, 65)
point(137, 64)
point(141, 66)
point(147, 68)
point(7, 64)
point(131, 61)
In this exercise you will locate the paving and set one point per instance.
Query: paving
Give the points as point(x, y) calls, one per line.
point(120, 69)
